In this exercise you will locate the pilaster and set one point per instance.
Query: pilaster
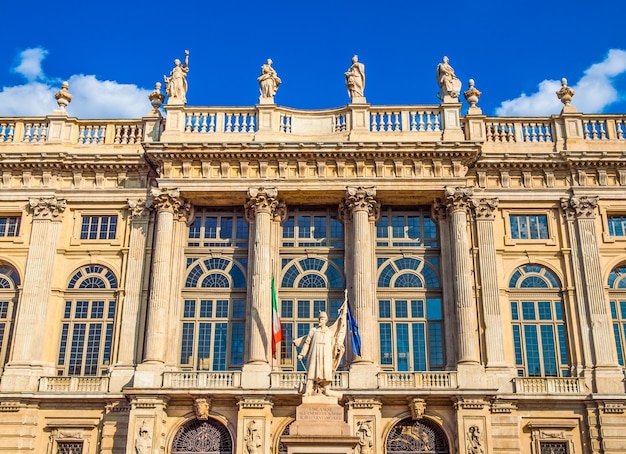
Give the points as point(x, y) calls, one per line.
point(473, 425)
point(146, 424)
point(260, 208)
point(27, 364)
point(254, 421)
point(364, 417)
point(607, 374)
point(364, 210)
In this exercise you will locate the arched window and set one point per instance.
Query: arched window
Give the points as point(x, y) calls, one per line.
point(213, 322)
point(88, 322)
point(206, 437)
point(538, 321)
point(416, 437)
point(309, 285)
point(617, 298)
point(410, 314)
point(9, 281)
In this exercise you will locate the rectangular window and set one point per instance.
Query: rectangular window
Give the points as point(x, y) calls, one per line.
point(98, 228)
point(617, 224)
point(395, 228)
point(529, 226)
point(9, 226)
point(218, 229)
point(306, 229)
point(70, 447)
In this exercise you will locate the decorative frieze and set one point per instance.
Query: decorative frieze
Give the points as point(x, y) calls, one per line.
point(502, 406)
point(580, 207)
point(470, 404)
point(485, 208)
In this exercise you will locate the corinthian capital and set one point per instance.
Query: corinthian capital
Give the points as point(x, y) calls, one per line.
point(139, 208)
point(458, 199)
point(166, 199)
point(484, 208)
point(47, 207)
point(361, 199)
point(261, 200)
point(580, 207)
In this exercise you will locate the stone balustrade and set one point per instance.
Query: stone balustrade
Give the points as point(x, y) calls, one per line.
point(417, 380)
point(549, 385)
point(74, 384)
point(205, 380)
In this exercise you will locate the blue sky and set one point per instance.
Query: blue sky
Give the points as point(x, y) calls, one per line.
point(112, 53)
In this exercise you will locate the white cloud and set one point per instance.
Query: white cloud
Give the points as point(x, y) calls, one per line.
point(91, 98)
point(594, 91)
point(30, 64)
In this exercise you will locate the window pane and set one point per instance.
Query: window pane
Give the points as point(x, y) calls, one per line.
point(419, 347)
point(385, 344)
point(402, 346)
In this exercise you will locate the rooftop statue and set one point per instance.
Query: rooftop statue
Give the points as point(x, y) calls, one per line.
point(565, 93)
point(176, 83)
point(268, 80)
point(323, 348)
point(355, 80)
point(449, 84)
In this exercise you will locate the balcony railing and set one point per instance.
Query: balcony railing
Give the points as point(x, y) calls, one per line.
point(549, 385)
point(294, 380)
point(211, 380)
point(74, 384)
point(417, 380)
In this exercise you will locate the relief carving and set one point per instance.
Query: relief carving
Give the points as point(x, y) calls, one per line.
point(475, 440)
point(253, 439)
point(365, 445)
point(362, 199)
point(47, 207)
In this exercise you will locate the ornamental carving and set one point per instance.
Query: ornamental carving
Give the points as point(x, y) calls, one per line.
point(261, 200)
point(475, 440)
point(418, 407)
point(484, 209)
point(139, 208)
point(167, 199)
point(47, 207)
point(201, 407)
point(458, 199)
point(580, 207)
point(361, 199)
point(439, 211)
point(364, 432)
point(253, 440)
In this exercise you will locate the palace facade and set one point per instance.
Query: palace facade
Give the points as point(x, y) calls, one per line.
point(484, 260)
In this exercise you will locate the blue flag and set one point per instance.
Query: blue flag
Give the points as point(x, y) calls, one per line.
point(354, 331)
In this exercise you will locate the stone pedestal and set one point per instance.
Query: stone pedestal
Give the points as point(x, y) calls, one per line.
point(319, 428)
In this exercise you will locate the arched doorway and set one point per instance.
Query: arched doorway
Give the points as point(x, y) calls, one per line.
point(416, 437)
point(203, 437)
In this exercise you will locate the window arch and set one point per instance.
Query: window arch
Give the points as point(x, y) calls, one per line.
point(538, 322)
point(213, 324)
point(312, 272)
point(416, 437)
point(207, 437)
point(9, 282)
point(616, 283)
point(410, 314)
point(88, 322)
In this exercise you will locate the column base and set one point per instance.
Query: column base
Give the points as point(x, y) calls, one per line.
point(256, 376)
point(121, 376)
point(18, 377)
point(363, 375)
point(608, 380)
point(149, 375)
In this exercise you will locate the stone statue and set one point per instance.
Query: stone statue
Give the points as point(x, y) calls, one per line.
point(366, 441)
point(253, 439)
point(474, 441)
point(323, 348)
point(449, 84)
point(176, 83)
point(268, 80)
point(143, 442)
point(355, 80)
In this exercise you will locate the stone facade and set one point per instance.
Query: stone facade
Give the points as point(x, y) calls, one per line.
point(484, 260)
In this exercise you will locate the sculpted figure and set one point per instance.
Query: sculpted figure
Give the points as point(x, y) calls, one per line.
point(201, 408)
point(474, 441)
point(253, 438)
point(449, 84)
point(268, 80)
point(323, 348)
point(176, 82)
point(143, 442)
point(355, 79)
point(365, 443)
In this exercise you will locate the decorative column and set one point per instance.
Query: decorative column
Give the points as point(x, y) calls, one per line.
point(279, 215)
point(27, 363)
point(364, 210)
point(439, 212)
point(167, 202)
point(136, 261)
point(585, 249)
point(458, 200)
point(484, 214)
point(260, 208)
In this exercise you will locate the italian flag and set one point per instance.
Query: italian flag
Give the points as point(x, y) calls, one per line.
point(277, 329)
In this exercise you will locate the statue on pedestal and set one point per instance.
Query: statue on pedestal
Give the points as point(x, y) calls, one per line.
point(323, 348)
point(355, 80)
point(268, 80)
point(449, 84)
point(176, 83)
